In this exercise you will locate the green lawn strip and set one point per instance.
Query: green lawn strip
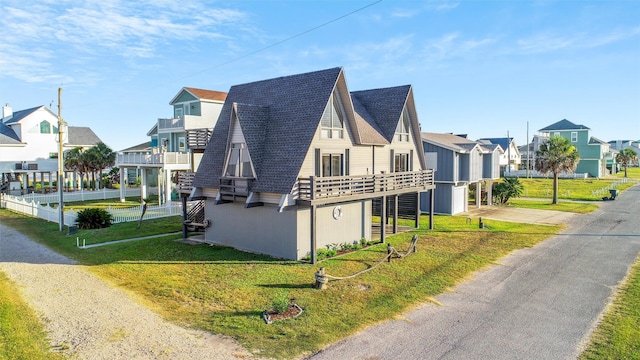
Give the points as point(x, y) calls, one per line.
point(632, 172)
point(22, 336)
point(106, 203)
point(568, 206)
point(224, 291)
point(618, 335)
point(574, 189)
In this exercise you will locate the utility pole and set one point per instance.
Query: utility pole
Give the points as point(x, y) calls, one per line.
point(61, 130)
point(508, 154)
point(528, 151)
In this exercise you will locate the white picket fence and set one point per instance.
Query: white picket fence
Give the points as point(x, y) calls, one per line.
point(103, 194)
point(47, 212)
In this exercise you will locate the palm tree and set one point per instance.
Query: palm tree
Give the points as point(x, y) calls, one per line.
point(508, 188)
point(91, 162)
point(73, 161)
point(106, 157)
point(557, 155)
point(626, 157)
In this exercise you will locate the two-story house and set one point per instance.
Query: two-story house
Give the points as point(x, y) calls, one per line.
point(511, 158)
point(459, 164)
point(294, 163)
point(176, 143)
point(29, 148)
point(594, 153)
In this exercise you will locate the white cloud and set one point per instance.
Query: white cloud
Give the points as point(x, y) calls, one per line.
point(549, 42)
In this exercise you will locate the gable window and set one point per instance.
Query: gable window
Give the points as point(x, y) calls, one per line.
point(332, 122)
point(574, 136)
point(332, 165)
point(402, 130)
point(238, 162)
point(45, 127)
point(178, 111)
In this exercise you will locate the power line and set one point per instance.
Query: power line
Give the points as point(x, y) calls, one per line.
point(287, 39)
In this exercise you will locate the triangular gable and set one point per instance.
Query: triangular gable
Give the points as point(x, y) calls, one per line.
point(193, 94)
point(563, 124)
point(295, 105)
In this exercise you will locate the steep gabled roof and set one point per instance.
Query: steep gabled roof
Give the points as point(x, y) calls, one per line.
point(385, 106)
point(19, 115)
point(145, 146)
point(8, 136)
point(293, 105)
point(201, 94)
point(450, 141)
point(370, 132)
point(563, 124)
point(489, 148)
point(80, 136)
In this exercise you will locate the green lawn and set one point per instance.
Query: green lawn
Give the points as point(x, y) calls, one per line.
point(573, 189)
point(224, 291)
point(618, 335)
point(22, 336)
point(568, 206)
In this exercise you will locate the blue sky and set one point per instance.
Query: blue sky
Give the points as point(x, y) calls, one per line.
point(483, 68)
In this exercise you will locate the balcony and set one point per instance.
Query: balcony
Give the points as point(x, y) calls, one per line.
point(324, 190)
point(172, 160)
point(170, 124)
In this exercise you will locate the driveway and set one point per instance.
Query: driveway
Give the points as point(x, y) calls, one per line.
point(538, 303)
point(520, 215)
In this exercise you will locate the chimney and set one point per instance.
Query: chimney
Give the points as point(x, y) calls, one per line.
point(7, 112)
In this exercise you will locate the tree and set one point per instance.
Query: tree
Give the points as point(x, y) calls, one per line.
point(106, 157)
point(73, 161)
point(626, 157)
point(555, 156)
point(508, 188)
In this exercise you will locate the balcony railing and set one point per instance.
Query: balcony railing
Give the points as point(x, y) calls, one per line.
point(327, 189)
point(161, 159)
point(177, 123)
point(185, 182)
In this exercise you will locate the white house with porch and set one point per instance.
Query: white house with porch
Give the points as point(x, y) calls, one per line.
point(176, 144)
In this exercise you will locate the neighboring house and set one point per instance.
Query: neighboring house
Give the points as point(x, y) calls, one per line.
point(594, 153)
point(511, 159)
point(176, 144)
point(29, 148)
point(625, 144)
point(460, 163)
point(295, 163)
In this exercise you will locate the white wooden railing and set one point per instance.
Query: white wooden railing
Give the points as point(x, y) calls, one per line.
point(81, 195)
point(47, 212)
point(165, 158)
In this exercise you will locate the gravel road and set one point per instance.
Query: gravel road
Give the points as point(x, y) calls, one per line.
point(88, 319)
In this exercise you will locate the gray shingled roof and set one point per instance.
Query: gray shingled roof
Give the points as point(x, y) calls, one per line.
point(295, 105)
point(279, 118)
point(450, 141)
point(21, 114)
point(384, 105)
point(145, 146)
point(503, 141)
point(8, 136)
point(564, 124)
point(82, 136)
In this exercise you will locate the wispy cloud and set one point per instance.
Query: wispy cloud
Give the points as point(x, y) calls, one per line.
point(549, 42)
point(39, 35)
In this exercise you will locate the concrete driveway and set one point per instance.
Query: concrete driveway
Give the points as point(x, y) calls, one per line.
point(521, 215)
point(538, 303)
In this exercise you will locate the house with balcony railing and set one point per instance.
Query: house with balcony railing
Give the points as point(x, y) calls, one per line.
point(176, 143)
point(299, 162)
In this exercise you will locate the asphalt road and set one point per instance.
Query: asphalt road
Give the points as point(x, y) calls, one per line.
point(538, 303)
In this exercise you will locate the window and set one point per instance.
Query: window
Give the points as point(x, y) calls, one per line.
point(401, 163)
point(333, 120)
point(178, 111)
point(402, 130)
point(187, 109)
point(238, 163)
point(574, 136)
point(45, 127)
point(332, 165)
point(182, 144)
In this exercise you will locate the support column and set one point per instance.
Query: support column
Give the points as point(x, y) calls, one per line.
point(431, 207)
point(417, 224)
point(143, 183)
point(383, 216)
point(167, 188)
point(478, 194)
point(489, 192)
point(184, 215)
point(314, 257)
point(395, 214)
point(123, 184)
point(160, 185)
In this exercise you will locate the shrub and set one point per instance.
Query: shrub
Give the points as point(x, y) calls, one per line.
point(93, 219)
point(281, 303)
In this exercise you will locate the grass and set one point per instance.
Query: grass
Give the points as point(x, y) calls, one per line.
point(574, 189)
point(632, 172)
point(224, 291)
point(618, 335)
point(568, 206)
point(106, 203)
point(22, 336)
